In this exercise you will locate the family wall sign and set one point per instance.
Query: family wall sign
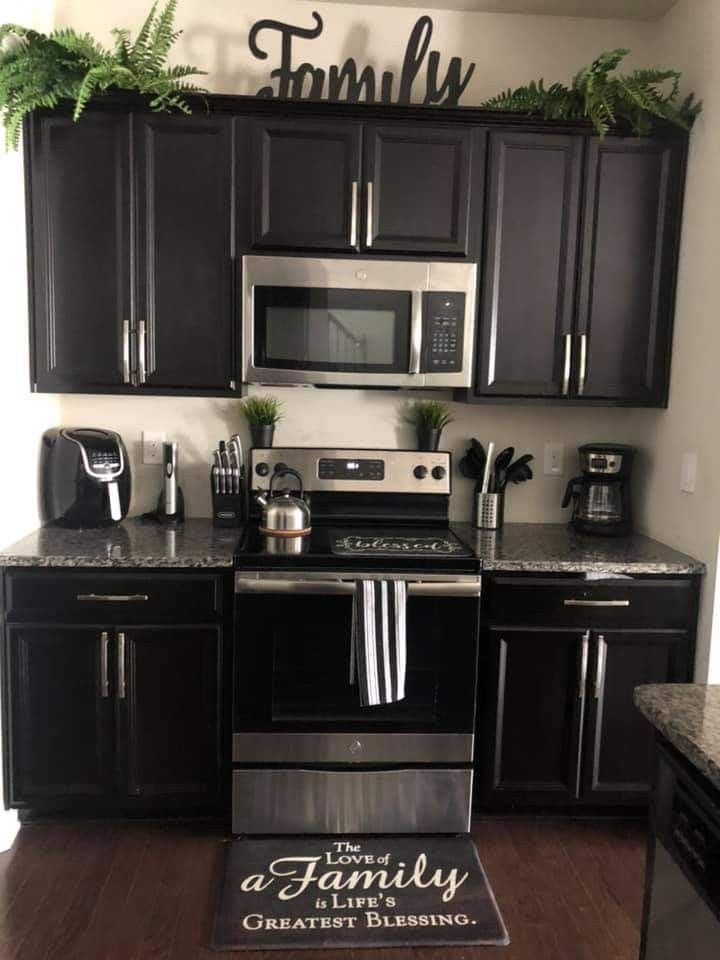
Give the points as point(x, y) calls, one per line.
point(307, 81)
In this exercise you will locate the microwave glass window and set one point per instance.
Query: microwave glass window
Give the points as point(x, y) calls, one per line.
point(345, 330)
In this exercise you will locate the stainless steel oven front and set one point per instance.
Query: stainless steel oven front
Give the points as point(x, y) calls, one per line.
point(392, 323)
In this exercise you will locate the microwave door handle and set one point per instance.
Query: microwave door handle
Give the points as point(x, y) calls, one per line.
point(416, 331)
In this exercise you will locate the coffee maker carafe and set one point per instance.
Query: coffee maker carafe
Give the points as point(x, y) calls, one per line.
point(601, 501)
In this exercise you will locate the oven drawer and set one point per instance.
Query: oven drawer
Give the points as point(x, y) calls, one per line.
point(521, 601)
point(353, 747)
point(351, 801)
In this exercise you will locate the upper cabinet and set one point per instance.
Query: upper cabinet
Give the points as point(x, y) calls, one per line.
point(356, 187)
point(578, 286)
point(132, 253)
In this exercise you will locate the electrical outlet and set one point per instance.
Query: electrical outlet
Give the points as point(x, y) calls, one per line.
point(688, 472)
point(152, 442)
point(554, 465)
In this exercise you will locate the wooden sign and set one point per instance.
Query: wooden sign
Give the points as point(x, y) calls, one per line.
point(345, 83)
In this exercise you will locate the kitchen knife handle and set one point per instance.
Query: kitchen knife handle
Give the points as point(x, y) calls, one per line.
point(369, 232)
point(353, 213)
point(567, 364)
point(583, 364)
point(121, 666)
point(104, 681)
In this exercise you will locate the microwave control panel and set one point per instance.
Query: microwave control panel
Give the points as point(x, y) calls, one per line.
point(443, 325)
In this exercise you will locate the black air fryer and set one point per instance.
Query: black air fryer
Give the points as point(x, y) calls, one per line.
point(85, 476)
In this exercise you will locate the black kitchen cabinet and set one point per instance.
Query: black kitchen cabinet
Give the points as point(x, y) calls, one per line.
point(628, 266)
point(79, 251)
point(168, 706)
point(185, 313)
point(417, 188)
point(619, 741)
point(528, 288)
point(559, 662)
point(60, 735)
point(306, 184)
point(131, 252)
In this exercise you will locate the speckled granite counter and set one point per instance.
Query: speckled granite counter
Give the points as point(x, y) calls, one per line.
point(555, 548)
point(688, 715)
point(196, 543)
point(528, 547)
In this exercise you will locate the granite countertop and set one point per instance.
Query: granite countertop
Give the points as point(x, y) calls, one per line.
point(688, 715)
point(556, 548)
point(195, 543)
point(527, 547)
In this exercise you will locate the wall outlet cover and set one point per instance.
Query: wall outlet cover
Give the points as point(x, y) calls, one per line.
point(554, 460)
point(152, 442)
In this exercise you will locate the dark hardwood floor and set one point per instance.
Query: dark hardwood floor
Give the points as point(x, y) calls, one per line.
point(569, 890)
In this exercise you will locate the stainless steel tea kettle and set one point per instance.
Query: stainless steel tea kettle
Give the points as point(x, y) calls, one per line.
point(284, 515)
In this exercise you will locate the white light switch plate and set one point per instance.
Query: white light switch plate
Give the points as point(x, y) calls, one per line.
point(152, 442)
point(688, 472)
point(554, 465)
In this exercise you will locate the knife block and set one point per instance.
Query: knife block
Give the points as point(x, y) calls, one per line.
point(228, 509)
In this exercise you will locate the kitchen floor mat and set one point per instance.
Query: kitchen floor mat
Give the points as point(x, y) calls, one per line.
point(322, 892)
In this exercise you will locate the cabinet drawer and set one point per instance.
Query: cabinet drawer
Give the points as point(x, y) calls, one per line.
point(92, 597)
point(579, 603)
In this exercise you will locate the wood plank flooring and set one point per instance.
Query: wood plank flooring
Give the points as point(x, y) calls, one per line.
point(568, 890)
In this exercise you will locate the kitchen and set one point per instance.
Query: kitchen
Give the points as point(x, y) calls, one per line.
point(508, 49)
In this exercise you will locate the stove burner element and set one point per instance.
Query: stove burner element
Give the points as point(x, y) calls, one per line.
point(392, 546)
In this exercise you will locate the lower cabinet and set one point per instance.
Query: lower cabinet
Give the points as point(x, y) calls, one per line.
point(557, 722)
point(123, 717)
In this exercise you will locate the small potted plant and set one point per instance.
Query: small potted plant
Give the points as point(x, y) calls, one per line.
point(429, 418)
point(262, 413)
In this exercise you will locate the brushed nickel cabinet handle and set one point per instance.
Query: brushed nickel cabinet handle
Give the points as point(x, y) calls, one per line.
point(369, 233)
point(126, 351)
point(112, 597)
point(584, 657)
point(142, 351)
point(583, 364)
point(600, 666)
point(121, 666)
point(354, 214)
point(104, 681)
point(596, 603)
point(567, 364)
point(582, 682)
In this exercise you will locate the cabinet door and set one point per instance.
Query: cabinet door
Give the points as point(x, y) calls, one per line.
point(186, 317)
point(417, 189)
point(60, 742)
point(168, 726)
point(538, 701)
point(78, 232)
point(618, 752)
point(306, 185)
point(629, 261)
point(528, 288)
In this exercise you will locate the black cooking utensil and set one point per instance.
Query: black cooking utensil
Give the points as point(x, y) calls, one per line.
point(502, 462)
point(516, 468)
point(520, 474)
point(468, 469)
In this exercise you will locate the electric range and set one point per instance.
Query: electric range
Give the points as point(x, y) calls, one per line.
point(307, 757)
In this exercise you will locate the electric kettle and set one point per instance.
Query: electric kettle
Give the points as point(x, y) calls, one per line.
point(284, 515)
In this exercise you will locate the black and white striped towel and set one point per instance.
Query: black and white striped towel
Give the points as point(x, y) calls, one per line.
point(378, 653)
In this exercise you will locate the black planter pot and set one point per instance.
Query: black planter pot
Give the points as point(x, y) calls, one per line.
point(428, 439)
point(262, 436)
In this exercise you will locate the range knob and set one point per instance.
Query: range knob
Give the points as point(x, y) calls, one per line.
point(438, 473)
point(262, 469)
point(420, 472)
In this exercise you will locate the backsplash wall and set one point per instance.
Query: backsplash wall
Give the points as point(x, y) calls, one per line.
point(363, 418)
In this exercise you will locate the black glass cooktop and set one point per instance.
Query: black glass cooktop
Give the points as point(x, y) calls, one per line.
point(366, 547)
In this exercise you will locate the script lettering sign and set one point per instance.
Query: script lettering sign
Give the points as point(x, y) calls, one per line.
point(345, 82)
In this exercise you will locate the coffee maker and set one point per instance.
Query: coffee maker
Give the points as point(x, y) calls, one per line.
point(601, 502)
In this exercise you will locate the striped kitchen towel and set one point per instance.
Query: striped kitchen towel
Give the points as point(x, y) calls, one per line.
point(378, 654)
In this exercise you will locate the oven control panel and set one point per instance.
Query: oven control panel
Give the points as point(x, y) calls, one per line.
point(356, 471)
point(443, 325)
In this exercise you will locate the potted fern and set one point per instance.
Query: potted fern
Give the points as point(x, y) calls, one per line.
point(429, 418)
point(262, 414)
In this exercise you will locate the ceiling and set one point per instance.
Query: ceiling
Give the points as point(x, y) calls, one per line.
point(605, 9)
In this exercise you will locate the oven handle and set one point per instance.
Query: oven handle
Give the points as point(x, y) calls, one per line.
point(424, 588)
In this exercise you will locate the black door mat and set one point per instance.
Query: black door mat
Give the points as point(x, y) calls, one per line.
point(322, 892)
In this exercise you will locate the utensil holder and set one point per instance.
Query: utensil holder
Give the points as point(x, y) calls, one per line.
point(489, 510)
point(228, 508)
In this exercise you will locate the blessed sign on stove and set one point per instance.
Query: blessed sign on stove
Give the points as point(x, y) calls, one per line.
point(346, 83)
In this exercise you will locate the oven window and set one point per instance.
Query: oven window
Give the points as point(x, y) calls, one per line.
point(303, 328)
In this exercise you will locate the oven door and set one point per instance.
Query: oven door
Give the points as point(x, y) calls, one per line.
point(294, 702)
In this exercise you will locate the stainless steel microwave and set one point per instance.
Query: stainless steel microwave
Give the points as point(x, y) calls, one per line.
point(377, 323)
